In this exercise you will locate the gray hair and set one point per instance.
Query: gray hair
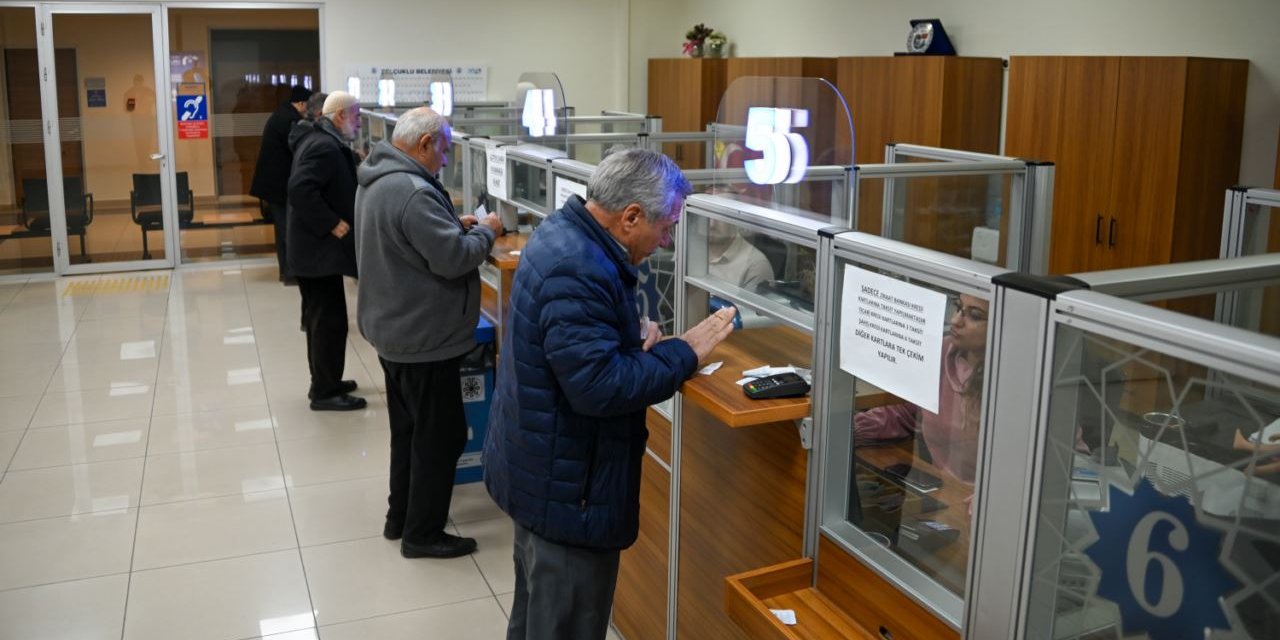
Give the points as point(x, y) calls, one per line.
point(315, 105)
point(415, 123)
point(638, 176)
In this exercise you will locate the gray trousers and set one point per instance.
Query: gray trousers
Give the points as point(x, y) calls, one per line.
point(562, 593)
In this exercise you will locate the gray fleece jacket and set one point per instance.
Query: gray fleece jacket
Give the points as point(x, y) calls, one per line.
point(419, 288)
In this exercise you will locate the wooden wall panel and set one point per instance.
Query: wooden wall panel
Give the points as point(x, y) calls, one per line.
point(659, 435)
point(1211, 135)
point(686, 93)
point(871, 601)
point(639, 604)
point(742, 508)
point(1145, 161)
point(1054, 105)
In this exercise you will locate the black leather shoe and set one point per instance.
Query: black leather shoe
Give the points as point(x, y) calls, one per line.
point(443, 546)
point(345, 386)
point(340, 402)
point(392, 531)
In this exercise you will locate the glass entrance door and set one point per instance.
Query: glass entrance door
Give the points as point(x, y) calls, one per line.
point(114, 203)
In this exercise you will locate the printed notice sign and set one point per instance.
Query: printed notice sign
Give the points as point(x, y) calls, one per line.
point(566, 188)
point(497, 172)
point(891, 335)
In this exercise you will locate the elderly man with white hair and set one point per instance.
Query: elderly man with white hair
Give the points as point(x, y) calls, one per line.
point(418, 304)
point(321, 249)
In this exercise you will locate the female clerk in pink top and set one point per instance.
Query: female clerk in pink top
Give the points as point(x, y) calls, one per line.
point(951, 435)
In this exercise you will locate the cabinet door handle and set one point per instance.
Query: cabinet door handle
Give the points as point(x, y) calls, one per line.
point(1097, 230)
point(1111, 234)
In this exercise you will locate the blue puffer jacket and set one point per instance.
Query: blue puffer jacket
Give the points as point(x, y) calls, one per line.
point(566, 431)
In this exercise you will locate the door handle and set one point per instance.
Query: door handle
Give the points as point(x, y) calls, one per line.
point(157, 156)
point(1097, 230)
point(1111, 234)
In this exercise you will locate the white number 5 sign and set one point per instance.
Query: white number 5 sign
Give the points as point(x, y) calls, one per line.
point(786, 154)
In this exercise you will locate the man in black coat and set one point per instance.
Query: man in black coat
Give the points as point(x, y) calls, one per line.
point(322, 197)
point(271, 175)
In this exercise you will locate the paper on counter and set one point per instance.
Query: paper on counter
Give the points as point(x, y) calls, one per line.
point(711, 368)
point(744, 381)
point(787, 616)
point(514, 252)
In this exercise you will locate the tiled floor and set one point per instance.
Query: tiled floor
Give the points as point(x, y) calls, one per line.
point(162, 477)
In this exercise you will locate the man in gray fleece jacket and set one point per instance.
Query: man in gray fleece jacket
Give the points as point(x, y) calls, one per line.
point(418, 303)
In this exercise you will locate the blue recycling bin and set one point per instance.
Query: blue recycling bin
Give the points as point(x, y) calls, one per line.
point(477, 395)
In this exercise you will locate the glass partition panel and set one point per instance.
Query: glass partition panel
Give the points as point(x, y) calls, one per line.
point(771, 132)
point(1160, 504)
point(527, 182)
point(25, 244)
point(245, 63)
point(452, 176)
point(750, 265)
point(960, 215)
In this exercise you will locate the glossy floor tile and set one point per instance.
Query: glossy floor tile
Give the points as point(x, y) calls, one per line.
point(80, 443)
point(162, 476)
point(51, 550)
point(367, 578)
point(214, 528)
point(209, 474)
point(224, 599)
point(83, 609)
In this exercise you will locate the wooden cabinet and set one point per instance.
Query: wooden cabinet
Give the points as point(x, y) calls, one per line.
point(937, 101)
point(1144, 149)
point(685, 93)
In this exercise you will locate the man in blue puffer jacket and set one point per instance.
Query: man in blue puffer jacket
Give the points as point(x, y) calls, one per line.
point(567, 432)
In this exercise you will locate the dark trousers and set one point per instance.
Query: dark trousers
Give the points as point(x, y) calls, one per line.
point(562, 592)
point(281, 221)
point(324, 315)
point(428, 433)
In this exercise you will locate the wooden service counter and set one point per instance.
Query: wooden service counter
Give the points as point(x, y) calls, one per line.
point(849, 599)
point(494, 302)
point(743, 478)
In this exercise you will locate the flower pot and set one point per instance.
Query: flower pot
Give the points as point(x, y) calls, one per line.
point(717, 49)
point(695, 51)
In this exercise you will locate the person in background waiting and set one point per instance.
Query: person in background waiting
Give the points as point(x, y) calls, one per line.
point(271, 175)
point(418, 304)
point(321, 249)
point(566, 436)
point(951, 435)
point(315, 106)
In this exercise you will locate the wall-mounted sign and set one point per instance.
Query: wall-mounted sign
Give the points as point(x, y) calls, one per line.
point(413, 83)
point(95, 90)
point(566, 188)
point(891, 335)
point(496, 179)
point(193, 111)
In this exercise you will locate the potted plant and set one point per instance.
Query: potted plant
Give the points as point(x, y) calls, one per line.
point(716, 45)
point(694, 39)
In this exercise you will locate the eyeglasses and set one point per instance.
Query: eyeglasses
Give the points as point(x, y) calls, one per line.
point(970, 313)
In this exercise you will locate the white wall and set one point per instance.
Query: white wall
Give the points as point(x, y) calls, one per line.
point(1248, 29)
point(583, 41)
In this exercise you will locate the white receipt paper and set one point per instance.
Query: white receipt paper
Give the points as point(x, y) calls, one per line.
point(787, 616)
point(711, 368)
point(891, 335)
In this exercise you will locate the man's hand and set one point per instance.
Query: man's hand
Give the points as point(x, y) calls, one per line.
point(493, 222)
point(652, 334)
point(468, 221)
point(341, 230)
point(710, 332)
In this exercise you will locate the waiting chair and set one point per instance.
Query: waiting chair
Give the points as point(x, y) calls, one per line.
point(145, 205)
point(77, 203)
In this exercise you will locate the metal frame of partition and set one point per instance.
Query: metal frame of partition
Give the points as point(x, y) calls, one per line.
point(1031, 214)
point(1236, 214)
point(797, 229)
point(830, 518)
point(1193, 340)
point(1024, 339)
